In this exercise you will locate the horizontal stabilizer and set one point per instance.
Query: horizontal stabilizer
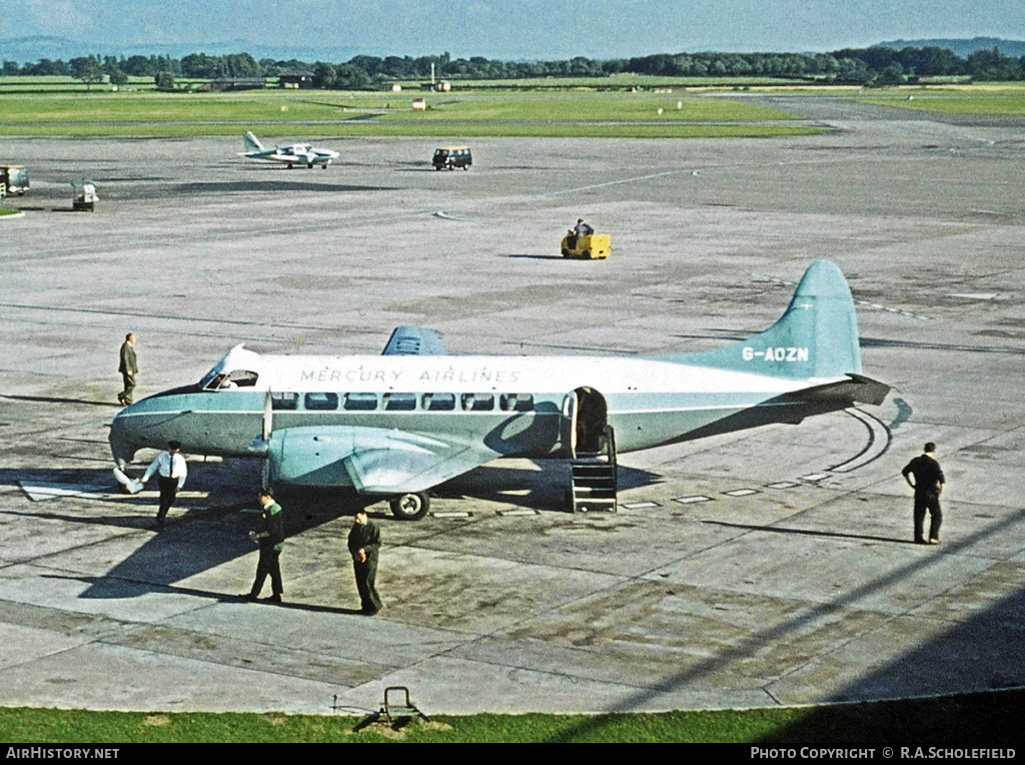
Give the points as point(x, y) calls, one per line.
point(856, 389)
point(414, 341)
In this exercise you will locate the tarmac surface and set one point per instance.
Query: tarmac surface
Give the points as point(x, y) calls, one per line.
point(773, 566)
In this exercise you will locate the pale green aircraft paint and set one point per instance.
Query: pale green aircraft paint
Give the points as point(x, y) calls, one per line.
point(405, 421)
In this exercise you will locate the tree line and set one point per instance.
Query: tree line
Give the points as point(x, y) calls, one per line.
point(875, 65)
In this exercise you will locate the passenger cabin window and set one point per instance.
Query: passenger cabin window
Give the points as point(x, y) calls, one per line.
point(360, 401)
point(478, 402)
point(438, 402)
point(399, 402)
point(239, 378)
point(284, 401)
point(517, 402)
point(319, 402)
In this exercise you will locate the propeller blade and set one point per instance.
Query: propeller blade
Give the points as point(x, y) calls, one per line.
point(268, 417)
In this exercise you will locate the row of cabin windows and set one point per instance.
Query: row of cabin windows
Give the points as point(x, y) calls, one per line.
point(405, 402)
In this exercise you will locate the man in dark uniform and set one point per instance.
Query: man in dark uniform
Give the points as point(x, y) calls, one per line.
point(271, 539)
point(928, 486)
point(129, 368)
point(364, 546)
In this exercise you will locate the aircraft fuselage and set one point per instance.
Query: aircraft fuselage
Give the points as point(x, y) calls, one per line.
point(515, 406)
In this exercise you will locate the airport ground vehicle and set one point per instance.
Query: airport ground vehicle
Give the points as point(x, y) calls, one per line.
point(452, 157)
point(85, 195)
point(13, 180)
point(586, 246)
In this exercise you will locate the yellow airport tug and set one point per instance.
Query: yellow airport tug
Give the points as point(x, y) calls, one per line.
point(586, 246)
point(85, 196)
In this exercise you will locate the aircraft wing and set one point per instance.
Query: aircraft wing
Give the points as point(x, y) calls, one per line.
point(374, 460)
point(414, 341)
point(411, 463)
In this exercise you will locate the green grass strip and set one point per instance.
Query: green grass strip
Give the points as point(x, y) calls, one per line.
point(990, 719)
point(326, 114)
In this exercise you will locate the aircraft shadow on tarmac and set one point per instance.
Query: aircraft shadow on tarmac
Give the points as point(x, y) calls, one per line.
point(541, 489)
point(199, 539)
point(126, 591)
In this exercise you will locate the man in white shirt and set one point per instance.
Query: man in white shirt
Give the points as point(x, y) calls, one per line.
point(171, 471)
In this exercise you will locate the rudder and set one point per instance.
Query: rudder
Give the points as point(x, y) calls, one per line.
point(817, 336)
point(251, 142)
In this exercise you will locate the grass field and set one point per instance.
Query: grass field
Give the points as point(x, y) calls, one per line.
point(53, 106)
point(986, 719)
point(989, 99)
point(332, 113)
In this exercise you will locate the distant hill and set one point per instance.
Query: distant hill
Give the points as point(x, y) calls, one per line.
point(1013, 48)
point(31, 49)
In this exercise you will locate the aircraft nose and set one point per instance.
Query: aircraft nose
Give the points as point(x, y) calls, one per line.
point(123, 442)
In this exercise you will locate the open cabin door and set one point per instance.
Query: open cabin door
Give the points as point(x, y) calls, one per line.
point(584, 418)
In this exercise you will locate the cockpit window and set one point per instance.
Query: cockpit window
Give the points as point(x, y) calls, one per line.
point(239, 378)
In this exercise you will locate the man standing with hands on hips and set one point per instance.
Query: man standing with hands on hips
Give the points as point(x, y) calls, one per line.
point(928, 486)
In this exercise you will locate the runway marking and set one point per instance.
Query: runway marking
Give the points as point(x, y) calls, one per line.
point(640, 505)
point(578, 189)
point(520, 511)
point(692, 499)
point(812, 478)
point(782, 485)
point(445, 216)
point(741, 492)
point(40, 491)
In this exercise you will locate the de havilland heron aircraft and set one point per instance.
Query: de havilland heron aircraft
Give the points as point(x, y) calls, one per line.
point(398, 424)
point(295, 154)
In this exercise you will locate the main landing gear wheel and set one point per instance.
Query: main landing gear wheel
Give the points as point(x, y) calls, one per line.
point(410, 507)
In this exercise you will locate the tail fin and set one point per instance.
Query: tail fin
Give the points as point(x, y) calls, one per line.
point(251, 142)
point(817, 337)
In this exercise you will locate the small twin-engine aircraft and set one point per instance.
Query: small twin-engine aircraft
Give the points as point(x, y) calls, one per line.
point(296, 154)
point(398, 424)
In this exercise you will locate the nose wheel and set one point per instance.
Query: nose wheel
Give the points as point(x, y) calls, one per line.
point(410, 507)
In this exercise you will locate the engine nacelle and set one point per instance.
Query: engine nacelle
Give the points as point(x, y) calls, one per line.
point(374, 460)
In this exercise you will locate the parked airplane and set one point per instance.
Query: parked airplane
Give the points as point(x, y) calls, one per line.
point(398, 424)
point(296, 154)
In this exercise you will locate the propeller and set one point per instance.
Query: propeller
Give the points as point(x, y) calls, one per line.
point(265, 431)
point(261, 444)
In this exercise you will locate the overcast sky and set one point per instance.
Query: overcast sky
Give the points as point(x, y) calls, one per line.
point(514, 29)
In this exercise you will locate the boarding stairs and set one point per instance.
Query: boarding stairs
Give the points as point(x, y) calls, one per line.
point(593, 482)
